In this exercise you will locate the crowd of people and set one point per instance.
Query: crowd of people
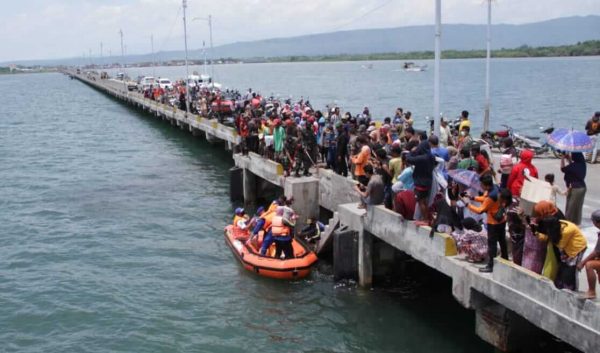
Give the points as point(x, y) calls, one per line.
point(410, 171)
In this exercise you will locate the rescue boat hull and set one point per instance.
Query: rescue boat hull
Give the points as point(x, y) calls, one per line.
point(250, 258)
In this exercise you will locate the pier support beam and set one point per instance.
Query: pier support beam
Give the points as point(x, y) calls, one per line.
point(504, 329)
point(211, 139)
point(249, 180)
point(365, 259)
point(305, 192)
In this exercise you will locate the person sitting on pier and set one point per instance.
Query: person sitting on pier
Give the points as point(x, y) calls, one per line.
point(592, 262)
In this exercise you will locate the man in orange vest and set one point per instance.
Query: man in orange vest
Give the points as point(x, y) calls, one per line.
point(264, 223)
point(282, 230)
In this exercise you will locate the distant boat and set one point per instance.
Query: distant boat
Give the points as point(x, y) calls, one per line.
point(368, 67)
point(412, 67)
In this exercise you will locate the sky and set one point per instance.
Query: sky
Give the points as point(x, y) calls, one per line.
point(50, 29)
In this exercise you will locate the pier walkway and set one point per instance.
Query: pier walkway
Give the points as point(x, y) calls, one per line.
point(509, 303)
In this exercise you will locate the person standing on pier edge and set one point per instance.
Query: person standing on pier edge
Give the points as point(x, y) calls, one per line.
point(494, 203)
point(341, 166)
point(575, 173)
point(424, 163)
point(520, 171)
point(361, 159)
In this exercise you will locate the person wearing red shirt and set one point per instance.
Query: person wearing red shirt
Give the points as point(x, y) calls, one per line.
point(520, 171)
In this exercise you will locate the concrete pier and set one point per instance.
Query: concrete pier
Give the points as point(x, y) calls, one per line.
point(510, 304)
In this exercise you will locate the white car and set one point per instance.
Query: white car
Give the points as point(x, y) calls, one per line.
point(164, 83)
point(145, 83)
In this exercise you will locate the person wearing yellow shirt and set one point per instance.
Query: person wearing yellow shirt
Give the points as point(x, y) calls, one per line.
point(571, 244)
point(464, 120)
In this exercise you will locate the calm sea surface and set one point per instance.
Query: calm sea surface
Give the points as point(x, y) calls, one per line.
point(526, 93)
point(111, 222)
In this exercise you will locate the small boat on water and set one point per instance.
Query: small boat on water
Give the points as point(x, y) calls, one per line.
point(248, 254)
point(412, 67)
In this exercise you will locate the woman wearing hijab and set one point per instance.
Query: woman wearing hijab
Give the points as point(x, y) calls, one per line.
point(575, 172)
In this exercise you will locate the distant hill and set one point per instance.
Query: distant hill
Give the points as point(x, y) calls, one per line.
point(560, 31)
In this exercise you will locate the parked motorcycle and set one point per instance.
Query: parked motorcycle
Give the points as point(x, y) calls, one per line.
point(494, 138)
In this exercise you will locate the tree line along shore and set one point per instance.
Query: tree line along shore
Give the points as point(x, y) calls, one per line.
point(587, 48)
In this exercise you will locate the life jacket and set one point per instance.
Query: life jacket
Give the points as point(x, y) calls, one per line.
point(268, 217)
point(236, 219)
point(278, 229)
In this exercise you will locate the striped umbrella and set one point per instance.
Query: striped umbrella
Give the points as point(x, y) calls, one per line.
point(567, 140)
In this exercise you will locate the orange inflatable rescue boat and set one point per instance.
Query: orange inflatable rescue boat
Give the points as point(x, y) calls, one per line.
point(248, 254)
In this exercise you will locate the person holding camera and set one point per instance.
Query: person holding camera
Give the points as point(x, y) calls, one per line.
point(373, 193)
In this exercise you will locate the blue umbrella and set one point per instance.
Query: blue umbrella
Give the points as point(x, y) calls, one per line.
point(570, 141)
point(467, 178)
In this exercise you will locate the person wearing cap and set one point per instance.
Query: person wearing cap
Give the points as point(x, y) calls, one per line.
point(240, 218)
point(592, 262)
point(341, 150)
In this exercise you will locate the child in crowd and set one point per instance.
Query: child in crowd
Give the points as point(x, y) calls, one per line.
point(549, 178)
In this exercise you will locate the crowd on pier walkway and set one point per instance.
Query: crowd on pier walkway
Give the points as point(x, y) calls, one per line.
point(445, 178)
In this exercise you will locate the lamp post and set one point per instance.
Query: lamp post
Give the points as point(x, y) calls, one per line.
point(187, 70)
point(486, 115)
point(436, 69)
point(212, 59)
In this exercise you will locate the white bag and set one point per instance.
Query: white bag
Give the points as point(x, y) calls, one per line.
point(534, 190)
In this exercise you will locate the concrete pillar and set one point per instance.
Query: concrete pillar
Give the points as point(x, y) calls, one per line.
point(365, 259)
point(236, 184)
point(345, 254)
point(504, 329)
point(211, 138)
point(305, 192)
point(249, 188)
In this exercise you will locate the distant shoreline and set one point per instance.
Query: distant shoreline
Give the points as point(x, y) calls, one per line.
point(587, 48)
point(580, 49)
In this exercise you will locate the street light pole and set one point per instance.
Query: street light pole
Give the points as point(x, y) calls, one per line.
point(486, 116)
point(153, 57)
point(123, 58)
point(436, 70)
point(187, 70)
point(212, 53)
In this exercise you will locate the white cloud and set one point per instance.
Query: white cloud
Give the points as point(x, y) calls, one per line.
point(39, 29)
